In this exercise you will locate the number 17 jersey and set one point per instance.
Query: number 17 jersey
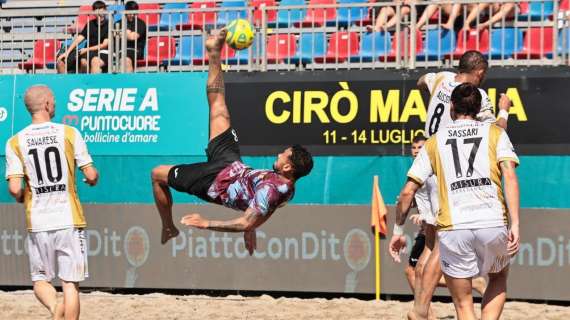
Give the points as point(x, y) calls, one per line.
point(465, 157)
point(440, 86)
point(46, 155)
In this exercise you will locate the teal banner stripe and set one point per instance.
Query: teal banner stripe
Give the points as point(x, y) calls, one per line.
point(334, 180)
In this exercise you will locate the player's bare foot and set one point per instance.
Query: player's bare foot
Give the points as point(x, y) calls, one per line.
point(412, 315)
point(215, 43)
point(168, 233)
point(480, 285)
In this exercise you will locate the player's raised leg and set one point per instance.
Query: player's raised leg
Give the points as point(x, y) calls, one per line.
point(215, 88)
point(163, 202)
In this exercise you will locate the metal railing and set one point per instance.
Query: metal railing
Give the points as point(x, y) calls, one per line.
point(289, 36)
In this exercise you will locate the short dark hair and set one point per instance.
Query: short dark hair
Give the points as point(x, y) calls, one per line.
point(301, 160)
point(418, 138)
point(466, 99)
point(472, 60)
point(131, 5)
point(98, 5)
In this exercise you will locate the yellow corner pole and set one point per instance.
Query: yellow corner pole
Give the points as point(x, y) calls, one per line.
point(377, 244)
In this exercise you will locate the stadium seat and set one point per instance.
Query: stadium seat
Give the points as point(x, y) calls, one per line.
point(241, 57)
point(281, 47)
point(505, 42)
point(118, 9)
point(373, 46)
point(537, 43)
point(158, 50)
point(169, 20)
point(564, 41)
point(151, 18)
point(271, 15)
point(342, 45)
point(402, 39)
point(198, 19)
point(534, 11)
point(44, 52)
point(350, 16)
point(310, 45)
point(564, 5)
point(317, 17)
point(81, 20)
point(471, 40)
point(226, 16)
point(189, 48)
point(438, 44)
point(286, 17)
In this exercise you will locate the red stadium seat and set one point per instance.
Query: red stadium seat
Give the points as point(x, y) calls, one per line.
point(158, 49)
point(402, 39)
point(81, 20)
point(199, 20)
point(281, 47)
point(44, 53)
point(152, 18)
point(537, 43)
point(471, 40)
point(564, 5)
point(317, 17)
point(342, 45)
point(271, 15)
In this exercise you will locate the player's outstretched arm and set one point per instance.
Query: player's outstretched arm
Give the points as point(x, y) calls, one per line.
point(398, 241)
point(91, 175)
point(247, 222)
point(504, 106)
point(15, 188)
point(513, 195)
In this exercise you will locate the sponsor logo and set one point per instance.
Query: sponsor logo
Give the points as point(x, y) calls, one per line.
point(357, 249)
point(70, 120)
point(3, 114)
point(136, 246)
point(175, 173)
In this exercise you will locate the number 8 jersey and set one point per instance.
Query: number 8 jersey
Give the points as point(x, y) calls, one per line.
point(46, 155)
point(440, 86)
point(465, 157)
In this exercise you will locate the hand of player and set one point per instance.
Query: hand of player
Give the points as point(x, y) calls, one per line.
point(250, 239)
point(416, 219)
point(194, 220)
point(504, 102)
point(397, 245)
point(514, 240)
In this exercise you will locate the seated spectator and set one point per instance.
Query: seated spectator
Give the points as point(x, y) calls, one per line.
point(496, 12)
point(387, 16)
point(136, 37)
point(451, 10)
point(94, 56)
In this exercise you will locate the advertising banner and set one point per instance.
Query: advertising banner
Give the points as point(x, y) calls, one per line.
point(301, 248)
point(375, 112)
point(142, 114)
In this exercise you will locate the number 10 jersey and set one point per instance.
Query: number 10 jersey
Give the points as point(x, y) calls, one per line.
point(440, 86)
point(46, 155)
point(465, 157)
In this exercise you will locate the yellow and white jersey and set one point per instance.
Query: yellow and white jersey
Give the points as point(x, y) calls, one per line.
point(465, 158)
point(46, 155)
point(440, 86)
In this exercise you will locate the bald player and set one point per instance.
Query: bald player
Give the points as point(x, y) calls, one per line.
point(40, 169)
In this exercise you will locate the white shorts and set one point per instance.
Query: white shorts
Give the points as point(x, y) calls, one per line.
point(475, 252)
point(66, 248)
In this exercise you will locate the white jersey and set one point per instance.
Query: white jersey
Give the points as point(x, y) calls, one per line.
point(427, 202)
point(465, 158)
point(46, 155)
point(440, 86)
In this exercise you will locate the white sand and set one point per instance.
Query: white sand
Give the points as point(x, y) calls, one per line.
point(98, 305)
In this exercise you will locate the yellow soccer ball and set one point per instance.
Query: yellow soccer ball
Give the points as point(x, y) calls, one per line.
point(240, 34)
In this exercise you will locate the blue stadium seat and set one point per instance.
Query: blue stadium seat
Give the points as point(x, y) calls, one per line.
point(349, 16)
point(564, 41)
point(505, 42)
point(437, 44)
point(189, 49)
point(118, 9)
point(226, 16)
point(537, 11)
point(242, 56)
point(171, 20)
point(310, 45)
point(373, 46)
point(287, 18)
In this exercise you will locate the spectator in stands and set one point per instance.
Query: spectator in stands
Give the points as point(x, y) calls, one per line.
point(95, 55)
point(387, 17)
point(496, 11)
point(136, 36)
point(451, 10)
